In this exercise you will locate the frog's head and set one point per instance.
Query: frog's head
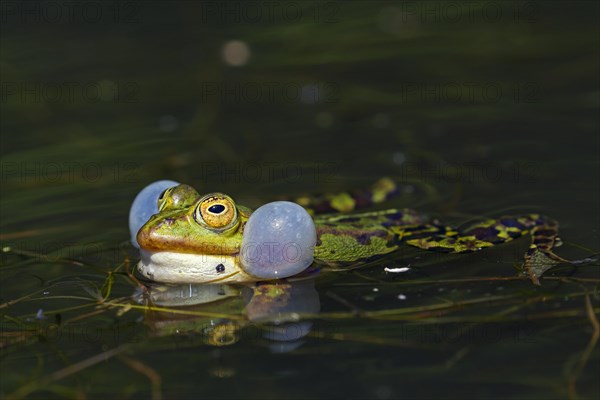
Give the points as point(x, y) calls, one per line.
point(193, 238)
point(208, 239)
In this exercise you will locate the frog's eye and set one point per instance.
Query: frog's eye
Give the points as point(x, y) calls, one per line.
point(180, 196)
point(216, 211)
point(146, 205)
point(162, 199)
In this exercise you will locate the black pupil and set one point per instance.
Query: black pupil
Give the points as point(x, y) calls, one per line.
point(220, 268)
point(216, 209)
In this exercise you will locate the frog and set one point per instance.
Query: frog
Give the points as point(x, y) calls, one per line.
point(197, 238)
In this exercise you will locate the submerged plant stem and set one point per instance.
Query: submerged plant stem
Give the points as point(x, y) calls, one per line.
point(65, 372)
point(585, 356)
point(149, 372)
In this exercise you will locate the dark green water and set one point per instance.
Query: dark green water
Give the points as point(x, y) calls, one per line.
point(486, 108)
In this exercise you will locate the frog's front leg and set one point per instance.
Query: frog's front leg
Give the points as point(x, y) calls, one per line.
point(538, 258)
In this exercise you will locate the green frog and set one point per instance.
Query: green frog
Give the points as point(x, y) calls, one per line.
point(197, 239)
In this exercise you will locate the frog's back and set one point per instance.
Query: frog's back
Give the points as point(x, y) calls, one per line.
point(348, 238)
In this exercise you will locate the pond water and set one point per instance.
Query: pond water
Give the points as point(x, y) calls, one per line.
point(479, 108)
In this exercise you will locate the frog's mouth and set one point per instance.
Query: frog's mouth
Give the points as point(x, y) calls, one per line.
point(173, 267)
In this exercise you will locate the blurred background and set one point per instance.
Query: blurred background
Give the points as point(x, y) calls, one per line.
point(479, 108)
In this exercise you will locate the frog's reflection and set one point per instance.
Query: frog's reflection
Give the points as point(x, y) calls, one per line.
point(272, 307)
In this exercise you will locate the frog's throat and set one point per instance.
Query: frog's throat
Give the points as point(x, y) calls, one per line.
point(172, 267)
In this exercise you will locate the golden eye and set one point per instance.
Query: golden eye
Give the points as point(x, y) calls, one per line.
point(216, 211)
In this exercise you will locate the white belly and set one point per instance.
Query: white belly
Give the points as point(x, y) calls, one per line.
point(171, 267)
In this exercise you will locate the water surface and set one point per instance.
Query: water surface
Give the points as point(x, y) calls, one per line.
point(483, 109)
